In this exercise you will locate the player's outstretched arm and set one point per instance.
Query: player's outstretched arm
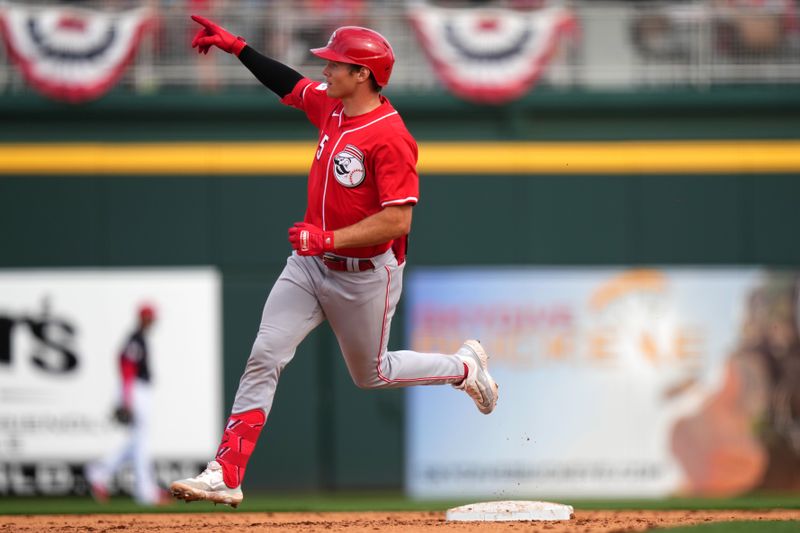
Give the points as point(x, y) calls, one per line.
point(276, 76)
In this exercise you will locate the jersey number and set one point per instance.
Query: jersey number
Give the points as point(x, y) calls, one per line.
point(322, 145)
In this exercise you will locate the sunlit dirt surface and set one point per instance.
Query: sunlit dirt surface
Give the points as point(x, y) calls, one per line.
point(582, 521)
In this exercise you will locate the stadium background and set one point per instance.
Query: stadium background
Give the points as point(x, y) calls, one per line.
point(324, 433)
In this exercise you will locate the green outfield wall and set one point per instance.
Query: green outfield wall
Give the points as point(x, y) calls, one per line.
point(760, 112)
point(323, 431)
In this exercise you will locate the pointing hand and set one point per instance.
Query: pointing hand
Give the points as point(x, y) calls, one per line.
point(213, 35)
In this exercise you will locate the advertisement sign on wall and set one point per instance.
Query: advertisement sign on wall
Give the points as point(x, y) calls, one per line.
point(613, 383)
point(61, 333)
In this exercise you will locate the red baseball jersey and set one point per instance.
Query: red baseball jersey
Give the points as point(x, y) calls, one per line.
point(362, 164)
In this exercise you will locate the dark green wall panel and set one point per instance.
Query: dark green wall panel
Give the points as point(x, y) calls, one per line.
point(157, 220)
point(252, 216)
point(690, 219)
point(457, 217)
point(776, 219)
point(52, 222)
point(525, 219)
point(575, 219)
point(545, 114)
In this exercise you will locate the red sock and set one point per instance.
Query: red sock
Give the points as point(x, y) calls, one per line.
point(238, 442)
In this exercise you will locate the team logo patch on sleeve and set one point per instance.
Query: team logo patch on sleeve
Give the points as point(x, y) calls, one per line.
point(348, 166)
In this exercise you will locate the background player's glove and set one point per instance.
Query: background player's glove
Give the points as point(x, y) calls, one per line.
point(308, 239)
point(213, 35)
point(123, 415)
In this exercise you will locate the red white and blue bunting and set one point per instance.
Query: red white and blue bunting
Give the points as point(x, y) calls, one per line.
point(71, 54)
point(486, 54)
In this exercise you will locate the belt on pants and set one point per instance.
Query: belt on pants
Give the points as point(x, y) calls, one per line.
point(347, 264)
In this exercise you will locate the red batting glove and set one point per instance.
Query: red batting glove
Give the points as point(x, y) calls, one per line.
point(308, 239)
point(213, 35)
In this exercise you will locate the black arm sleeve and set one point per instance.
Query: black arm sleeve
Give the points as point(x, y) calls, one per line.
point(276, 76)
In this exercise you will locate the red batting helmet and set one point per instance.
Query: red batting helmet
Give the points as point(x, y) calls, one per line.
point(360, 46)
point(147, 312)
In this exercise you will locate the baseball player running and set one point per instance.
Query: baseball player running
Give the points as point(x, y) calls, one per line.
point(348, 252)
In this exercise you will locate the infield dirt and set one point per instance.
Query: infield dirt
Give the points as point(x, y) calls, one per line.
point(229, 522)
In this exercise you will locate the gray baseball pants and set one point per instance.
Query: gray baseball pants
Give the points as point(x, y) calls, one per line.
point(359, 307)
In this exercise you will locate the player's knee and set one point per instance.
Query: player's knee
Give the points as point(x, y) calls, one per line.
point(367, 382)
point(363, 383)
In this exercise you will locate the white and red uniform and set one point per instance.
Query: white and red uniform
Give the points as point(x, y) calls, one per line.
point(136, 395)
point(362, 164)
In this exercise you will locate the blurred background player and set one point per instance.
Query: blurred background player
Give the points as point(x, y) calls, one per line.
point(134, 411)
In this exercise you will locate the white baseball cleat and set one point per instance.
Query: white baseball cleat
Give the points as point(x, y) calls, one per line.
point(97, 486)
point(208, 486)
point(478, 384)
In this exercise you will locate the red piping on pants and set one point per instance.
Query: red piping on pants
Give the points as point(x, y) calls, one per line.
point(380, 346)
